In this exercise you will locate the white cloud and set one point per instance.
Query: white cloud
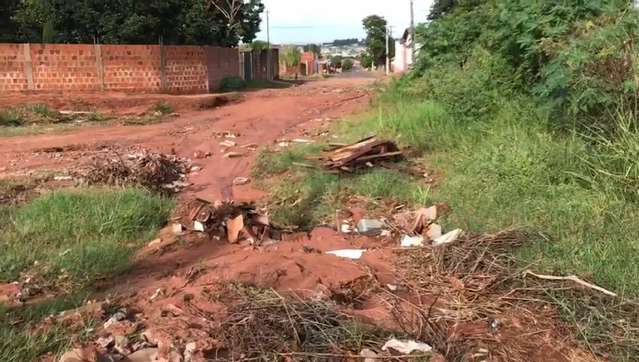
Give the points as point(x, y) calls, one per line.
point(304, 21)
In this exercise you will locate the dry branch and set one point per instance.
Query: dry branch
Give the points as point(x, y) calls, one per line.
point(571, 278)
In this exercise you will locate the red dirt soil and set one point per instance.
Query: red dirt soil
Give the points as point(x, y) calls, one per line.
point(179, 276)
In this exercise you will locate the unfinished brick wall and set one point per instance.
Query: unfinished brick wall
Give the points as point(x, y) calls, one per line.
point(64, 67)
point(131, 68)
point(221, 62)
point(12, 68)
point(186, 69)
point(134, 68)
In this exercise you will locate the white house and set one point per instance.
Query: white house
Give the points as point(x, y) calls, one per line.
point(403, 53)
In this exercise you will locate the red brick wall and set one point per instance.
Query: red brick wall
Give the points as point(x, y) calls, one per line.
point(12, 75)
point(135, 68)
point(131, 67)
point(221, 62)
point(64, 67)
point(186, 69)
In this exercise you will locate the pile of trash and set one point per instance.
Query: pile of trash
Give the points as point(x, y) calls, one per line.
point(364, 153)
point(233, 221)
point(415, 228)
point(155, 171)
point(420, 226)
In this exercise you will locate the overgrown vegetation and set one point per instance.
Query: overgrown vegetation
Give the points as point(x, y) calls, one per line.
point(527, 113)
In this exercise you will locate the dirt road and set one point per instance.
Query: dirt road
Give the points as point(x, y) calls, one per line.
point(260, 118)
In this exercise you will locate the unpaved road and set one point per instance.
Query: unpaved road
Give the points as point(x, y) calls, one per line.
point(260, 117)
point(170, 290)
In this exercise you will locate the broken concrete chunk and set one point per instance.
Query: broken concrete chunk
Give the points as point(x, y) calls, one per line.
point(449, 238)
point(434, 231)
point(368, 355)
point(406, 346)
point(198, 226)
point(234, 227)
point(348, 253)
point(144, 355)
point(412, 241)
point(228, 144)
point(233, 154)
point(178, 229)
point(370, 226)
point(63, 178)
point(238, 181)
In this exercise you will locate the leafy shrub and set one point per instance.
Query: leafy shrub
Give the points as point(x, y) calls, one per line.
point(229, 84)
point(347, 65)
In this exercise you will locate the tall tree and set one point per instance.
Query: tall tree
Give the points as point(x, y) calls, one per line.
point(313, 48)
point(375, 27)
point(8, 27)
point(134, 21)
point(441, 8)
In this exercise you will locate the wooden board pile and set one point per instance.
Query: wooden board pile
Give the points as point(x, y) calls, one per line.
point(233, 221)
point(363, 153)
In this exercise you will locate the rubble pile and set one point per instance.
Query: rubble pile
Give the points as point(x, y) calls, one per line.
point(363, 153)
point(235, 221)
point(154, 171)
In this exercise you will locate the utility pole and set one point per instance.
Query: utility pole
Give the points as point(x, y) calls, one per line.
point(389, 30)
point(268, 48)
point(412, 31)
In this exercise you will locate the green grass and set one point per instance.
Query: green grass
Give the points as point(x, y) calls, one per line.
point(163, 108)
point(85, 233)
point(80, 236)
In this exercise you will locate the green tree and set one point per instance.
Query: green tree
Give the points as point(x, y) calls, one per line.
point(337, 61)
point(8, 27)
point(375, 27)
point(132, 21)
point(441, 8)
point(366, 60)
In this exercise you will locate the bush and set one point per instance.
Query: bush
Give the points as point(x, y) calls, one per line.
point(230, 84)
point(347, 65)
point(10, 118)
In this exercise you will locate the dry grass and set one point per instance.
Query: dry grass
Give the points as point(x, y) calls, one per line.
point(264, 325)
point(471, 301)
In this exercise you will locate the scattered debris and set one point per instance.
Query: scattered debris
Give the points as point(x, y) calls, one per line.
point(369, 355)
point(412, 241)
point(201, 154)
point(158, 293)
point(370, 226)
point(348, 253)
point(302, 140)
point(234, 221)
point(196, 168)
point(63, 178)
point(233, 154)
point(347, 158)
point(238, 181)
point(406, 346)
point(178, 229)
point(571, 278)
point(228, 144)
point(115, 318)
point(155, 171)
point(449, 238)
point(434, 231)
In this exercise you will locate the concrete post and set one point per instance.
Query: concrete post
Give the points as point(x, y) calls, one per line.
point(163, 82)
point(28, 66)
point(99, 65)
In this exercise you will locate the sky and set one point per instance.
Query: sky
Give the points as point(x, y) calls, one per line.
point(318, 21)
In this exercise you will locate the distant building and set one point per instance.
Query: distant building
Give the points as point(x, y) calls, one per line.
point(403, 53)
